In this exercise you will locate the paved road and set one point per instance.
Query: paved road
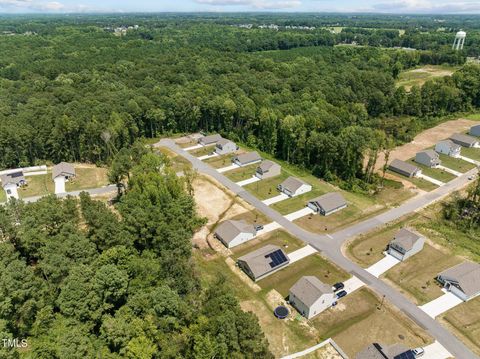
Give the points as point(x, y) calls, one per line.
point(332, 248)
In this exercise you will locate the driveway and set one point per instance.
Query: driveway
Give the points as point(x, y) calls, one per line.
point(449, 170)
point(301, 253)
point(441, 304)
point(383, 265)
point(252, 179)
point(228, 168)
point(276, 199)
point(436, 351)
point(268, 228)
point(352, 284)
point(206, 157)
point(469, 160)
point(191, 148)
point(299, 214)
point(431, 180)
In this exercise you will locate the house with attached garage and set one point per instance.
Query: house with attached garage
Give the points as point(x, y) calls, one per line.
point(328, 203)
point(263, 262)
point(62, 173)
point(475, 130)
point(294, 186)
point(232, 233)
point(247, 158)
point(428, 158)
point(405, 244)
point(404, 168)
point(463, 280)
point(209, 140)
point(224, 147)
point(11, 182)
point(449, 148)
point(268, 169)
point(310, 296)
point(464, 140)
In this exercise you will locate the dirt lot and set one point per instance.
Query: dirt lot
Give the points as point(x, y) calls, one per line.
point(418, 77)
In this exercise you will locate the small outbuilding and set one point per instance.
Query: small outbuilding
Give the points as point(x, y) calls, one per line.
point(268, 169)
point(247, 159)
point(310, 296)
point(11, 182)
point(475, 130)
point(405, 244)
point(232, 233)
point(428, 158)
point(380, 351)
point(328, 203)
point(464, 140)
point(263, 262)
point(404, 168)
point(449, 148)
point(463, 280)
point(209, 140)
point(224, 147)
point(294, 186)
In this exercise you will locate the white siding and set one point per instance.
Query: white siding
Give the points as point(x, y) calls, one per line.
point(11, 191)
point(323, 303)
point(241, 238)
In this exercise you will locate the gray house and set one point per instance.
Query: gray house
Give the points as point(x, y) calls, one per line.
point(268, 169)
point(475, 130)
point(63, 169)
point(404, 168)
point(209, 140)
point(449, 148)
point(428, 158)
point(247, 158)
point(380, 351)
point(263, 262)
point(405, 244)
point(310, 296)
point(463, 280)
point(294, 186)
point(464, 140)
point(232, 233)
point(224, 147)
point(10, 183)
point(328, 203)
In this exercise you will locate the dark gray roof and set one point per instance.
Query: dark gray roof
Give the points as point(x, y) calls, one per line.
point(248, 157)
point(430, 153)
point(330, 201)
point(223, 142)
point(405, 239)
point(211, 139)
point(403, 166)
point(230, 229)
point(450, 143)
point(467, 275)
point(63, 169)
point(293, 184)
point(259, 262)
point(309, 289)
point(266, 165)
point(380, 351)
point(460, 137)
point(14, 178)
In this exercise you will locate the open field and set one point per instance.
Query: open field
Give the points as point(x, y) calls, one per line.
point(464, 322)
point(418, 77)
point(87, 177)
point(473, 153)
point(435, 173)
point(418, 182)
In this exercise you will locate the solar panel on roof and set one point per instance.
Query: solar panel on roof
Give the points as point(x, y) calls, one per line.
point(407, 355)
point(277, 257)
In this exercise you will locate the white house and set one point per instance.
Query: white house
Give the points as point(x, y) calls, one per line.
point(11, 182)
point(428, 158)
point(224, 147)
point(463, 280)
point(449, 148)
point(310, 296)
point(232, 233)
point(293, 186)
point(62, 173)
point(405, 244)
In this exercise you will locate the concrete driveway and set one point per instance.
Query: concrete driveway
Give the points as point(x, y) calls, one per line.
point(276, 199)
point(299, 214)
point(469, 160)
point(431, 180)
point(449, 170)
point(383, 265)
point(191, 148)
point(352, 284)
point(228, 168)
point(436, 351)
point(301, 253)
point(441, 304)
point(206, 157)
point(252, 179)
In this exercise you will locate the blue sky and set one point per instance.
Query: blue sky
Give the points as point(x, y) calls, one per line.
point(381, 6)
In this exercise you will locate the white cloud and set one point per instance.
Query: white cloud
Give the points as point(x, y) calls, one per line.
point(428, 6)
point(257, 4)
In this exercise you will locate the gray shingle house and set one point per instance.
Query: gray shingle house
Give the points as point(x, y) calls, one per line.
point(464, 140)
point(63, 169)
point(428, 158)
point(224, 147)
point(310, 296)
point(328, 203)
point(209, 140)
point(463, 280)
point(380, 351)
point(405, 244)
point(294, 186)
point(263, 262)
point(475, 130)
point(404, 168)
point(268, 169)
point(247, 158)
point(232, 233)
point(449, 148)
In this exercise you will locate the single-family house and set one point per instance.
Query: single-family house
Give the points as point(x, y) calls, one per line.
point(10, 183)
point(463, 280)
point(268, 169)
point(247, 158)
point(404, 168)
point(63, 169)
point(294, 186)
point(449, 148)
point(380, 351)
point(464, 140)
point(310, 296)
point(224, 147)
point(475, 130)
point(428, 158)
point(209, 140)
point(263, 262)
point(232, 233)
point(328, 203)
point(405, 244)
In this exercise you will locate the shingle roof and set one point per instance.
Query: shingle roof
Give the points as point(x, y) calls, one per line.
point(211, 139)
point(405, 239)
point(309, 289)
point(266, 165)
point(259, 262)
point(230, 229)
point(380, 351)
point(449, 143)
point(223, 142)
point(14, 178)
point(467, 275)
point(460, 137)
point(293, 184)
point(330, 201)
point(248, 157)
point(403, 166)
point(430, 153)
point(63, 169)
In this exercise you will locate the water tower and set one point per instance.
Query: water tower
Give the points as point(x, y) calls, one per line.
point(459, 40)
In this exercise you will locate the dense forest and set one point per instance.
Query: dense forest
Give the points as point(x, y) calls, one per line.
point(79, 280)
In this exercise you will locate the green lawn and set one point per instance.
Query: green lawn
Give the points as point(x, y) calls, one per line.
point(279, 238)
point(419, 182)
point(267, 188)
point(473, 116)
point(473, 153)
point(86, 178)
point(435, 173)
point(456, 164)
point(40, 185)
point(3, 196)
point(241, 173)
point(219, 161)
point(203, 151)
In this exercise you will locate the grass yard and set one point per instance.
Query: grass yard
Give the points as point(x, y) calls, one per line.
point(314, 265)
point(267, 188)
point(179, 163)
point(87, 177)
point(40, 185)
point(418, 182)
point(456, 164)
point(435, 173)
point(473, 153)
point(3, 196)
point(464, 321)
point(253, 216)
point(278, 237)
point(418, 77)
point(473, 116)
point(220, 161)
point(241, 173)
point(202, 151)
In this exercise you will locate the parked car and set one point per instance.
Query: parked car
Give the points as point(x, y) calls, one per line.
point(338, 286)
point(259, 227)
point(418, 352)
point(341, 294)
